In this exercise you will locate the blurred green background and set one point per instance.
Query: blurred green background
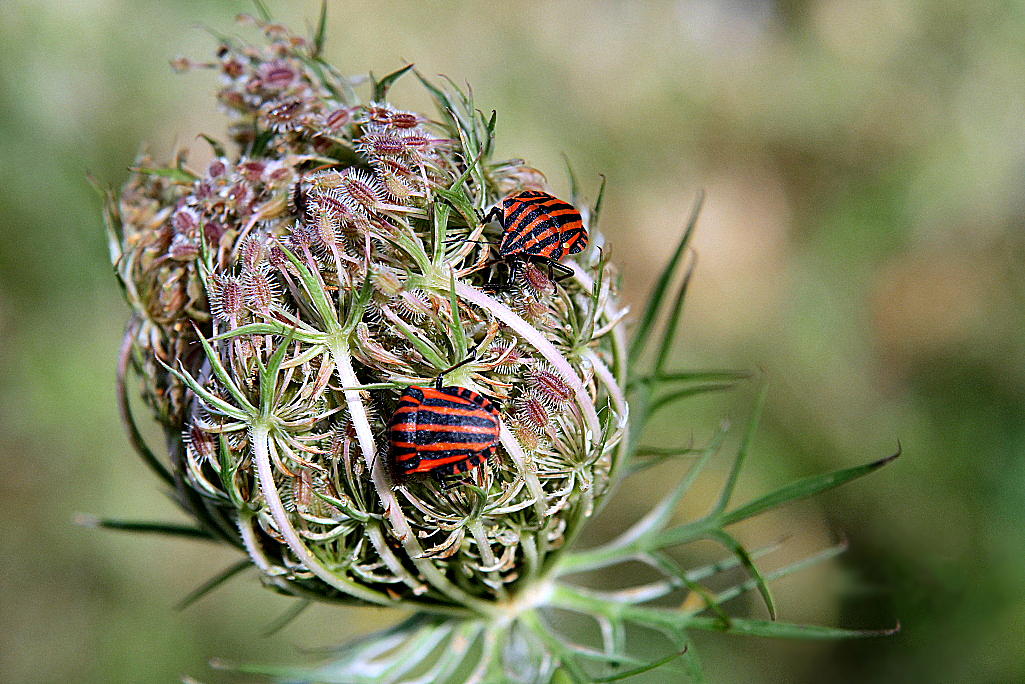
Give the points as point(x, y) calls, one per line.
point(862, 244)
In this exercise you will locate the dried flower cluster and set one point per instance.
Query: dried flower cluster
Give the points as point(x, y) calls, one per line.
point(285, 300)
point(285, 296)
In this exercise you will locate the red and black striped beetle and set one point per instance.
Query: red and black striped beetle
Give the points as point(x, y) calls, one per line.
point(536, 225)
point(441, 430)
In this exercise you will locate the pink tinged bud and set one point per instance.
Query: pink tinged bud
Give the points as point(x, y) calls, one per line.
point(282, 116)
point(378, 113)
point(259, 292)
point(549, 385)
point(321, 144)
point(203, 190)
point(389, 116)
point(185, 220)
point(533, 310)
point(276, 171)
point(398, 179)
point(394, 167)
point(212, 232)
point(413, 305)
point(277, 75)
point(362, 225)
point(382, 144)
point(387, 281)
point(508, 355)
point(279, 261)
point(297, 199)
point(415, 140)
point(238, 192)
point(183, 248)
point(227, 299)
point(301, 487)
point(252, 171)
point(216, 169)
point(324, 228)
point(300, 236)
point(322, 181)
point(202, 443)
point(403, 120)
point(251, 252)
point(338, 118)
point(397, 188)
point(536, 280)
point(362, 188)
point(332, 203)
point(528, 438)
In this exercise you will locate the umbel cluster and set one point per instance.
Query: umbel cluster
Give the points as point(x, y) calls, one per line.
point(387, 366)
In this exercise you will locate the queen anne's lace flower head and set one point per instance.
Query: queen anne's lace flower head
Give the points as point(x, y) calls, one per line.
point(382, 401)
point(286, 296)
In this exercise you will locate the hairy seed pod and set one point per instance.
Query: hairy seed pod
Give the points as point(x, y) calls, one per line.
point(362, 189)
point(548, 386)
point(532, 412)
point(227, 299)
point(382, 144)
point(536, 280)
point(252, 251)
point(259, 291)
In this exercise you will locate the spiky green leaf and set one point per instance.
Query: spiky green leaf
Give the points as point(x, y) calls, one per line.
point(381, 86)
point(656, 298)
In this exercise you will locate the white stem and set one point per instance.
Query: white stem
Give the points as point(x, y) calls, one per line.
point(481, 537)
point(614, 384)
point(487, 556)
point(259, 437)
point(519, 459)
point(390, 560)
point(611, 386)
point(245, 528)
point(382, 483)
point(531, 335)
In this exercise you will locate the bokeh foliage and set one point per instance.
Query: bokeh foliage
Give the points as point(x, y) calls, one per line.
point(861, 242)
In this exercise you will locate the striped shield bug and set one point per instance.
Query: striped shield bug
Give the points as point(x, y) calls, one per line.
point(536, 225)
point(441, 430)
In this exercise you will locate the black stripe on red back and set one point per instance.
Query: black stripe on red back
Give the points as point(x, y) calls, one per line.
point(441, 431)
point(538, 224)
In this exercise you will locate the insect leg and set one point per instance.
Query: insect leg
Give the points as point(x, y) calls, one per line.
point(494, 215)
point(471, 356)
point(563, 270)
